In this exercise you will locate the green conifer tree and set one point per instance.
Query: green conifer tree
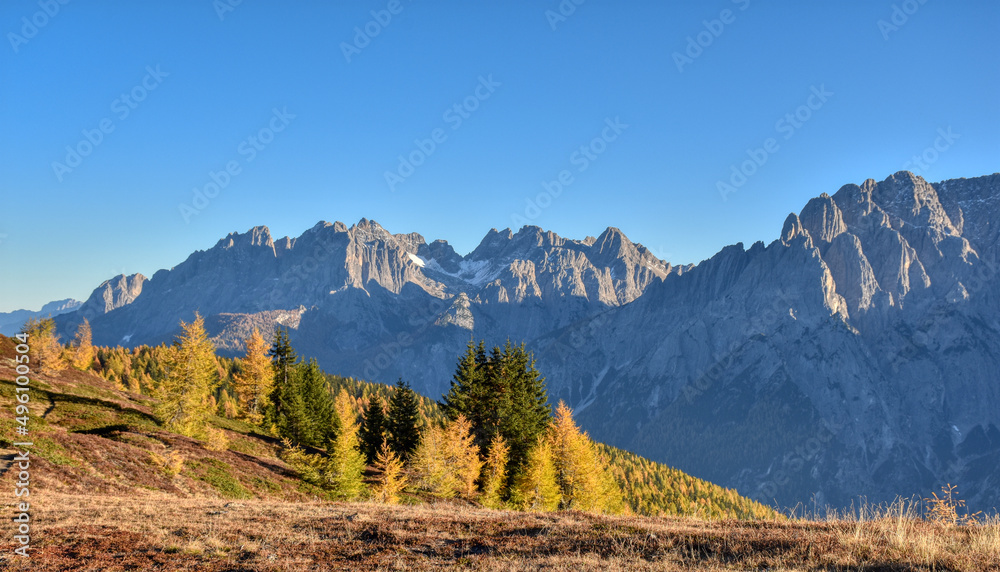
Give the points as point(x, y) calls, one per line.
point(373, 429)
point(501, 394)
point(466, 388)
point(527, 413)
point(321, 420)
point(404, 414)
point(284, 358)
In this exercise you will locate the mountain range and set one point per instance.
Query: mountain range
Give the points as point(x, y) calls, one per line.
point(11, 322)
point(856, 355)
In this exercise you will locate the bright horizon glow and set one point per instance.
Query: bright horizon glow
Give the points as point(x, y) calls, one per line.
point(606, 77)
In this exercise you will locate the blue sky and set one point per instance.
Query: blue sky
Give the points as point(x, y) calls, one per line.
point(532, 88)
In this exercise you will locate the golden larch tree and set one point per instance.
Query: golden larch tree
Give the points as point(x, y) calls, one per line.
point(346, 463)
point(584, 480)
point(429, 463)
point(255, 380)
point(45, 351)
point(494, 474)
point(83, 344)
point(535, 487)
point(392, 480)
point(186, 399)
point(462, 455)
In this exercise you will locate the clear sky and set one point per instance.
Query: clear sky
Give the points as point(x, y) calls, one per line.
point(309, 116)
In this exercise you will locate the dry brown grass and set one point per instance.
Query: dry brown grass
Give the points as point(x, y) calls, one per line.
point(163, 532)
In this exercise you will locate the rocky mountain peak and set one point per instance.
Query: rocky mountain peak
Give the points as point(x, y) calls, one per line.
point(855, 203)
point(256, 236)
point(492, 244)
point(909, 199)
point(793, 229)
point(411, 242)
point(611, 246)
point(112, 294)
point(823, 219)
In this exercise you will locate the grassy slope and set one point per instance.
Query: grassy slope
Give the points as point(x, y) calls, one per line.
point(90, 437)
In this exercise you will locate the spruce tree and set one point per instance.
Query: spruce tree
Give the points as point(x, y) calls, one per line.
point(321, 420)
point(293, 422)
point(466, 386)
point(284, 358)
point(373, 429)
point(501, 394)
point(404, 414)
point(528, 413)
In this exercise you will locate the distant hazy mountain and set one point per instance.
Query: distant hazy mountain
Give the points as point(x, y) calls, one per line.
point(858, 354)
point(11, 322)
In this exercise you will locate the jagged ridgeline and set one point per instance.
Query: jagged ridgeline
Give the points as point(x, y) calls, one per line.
point(648, 488)
point(855, 353)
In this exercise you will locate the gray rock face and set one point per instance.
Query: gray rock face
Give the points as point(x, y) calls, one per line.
point(845, 359)
point(112, 294)
point(858, 354)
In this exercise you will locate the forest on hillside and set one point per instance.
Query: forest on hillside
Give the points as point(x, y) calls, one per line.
point(493, 439)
